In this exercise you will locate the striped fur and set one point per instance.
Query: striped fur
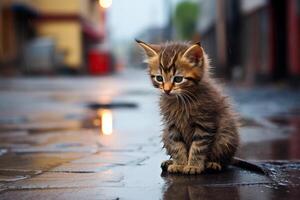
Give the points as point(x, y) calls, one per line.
point(200, 129)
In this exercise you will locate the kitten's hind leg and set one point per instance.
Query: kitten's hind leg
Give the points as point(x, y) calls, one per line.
point(213, 166)
point(165, 164)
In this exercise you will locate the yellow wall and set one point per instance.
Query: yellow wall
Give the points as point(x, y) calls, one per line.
point(58, 6)
point(68, 39)
point(85, 8)
point(68, 33)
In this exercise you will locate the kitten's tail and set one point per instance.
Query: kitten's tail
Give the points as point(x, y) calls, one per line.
point(249, 166)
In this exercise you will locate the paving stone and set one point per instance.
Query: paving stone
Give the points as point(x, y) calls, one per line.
point(112, 157)
point(4, 178)
point(13, 134)
point(82, 167)
point(70, 180)
point(42, 126)
point(57, 141)
point(57, 148)
point(10, 175)
point(36, 161)
point(53, 194)
point(95, 193)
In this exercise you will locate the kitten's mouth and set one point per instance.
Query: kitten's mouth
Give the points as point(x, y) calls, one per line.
point(167, 92)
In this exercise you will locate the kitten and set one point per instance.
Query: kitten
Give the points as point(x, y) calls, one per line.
point(200, 128)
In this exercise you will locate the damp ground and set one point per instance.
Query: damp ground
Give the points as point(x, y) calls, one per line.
point(52, 144)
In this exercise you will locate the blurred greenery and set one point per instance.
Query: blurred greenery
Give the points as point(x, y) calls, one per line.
point(185, 19)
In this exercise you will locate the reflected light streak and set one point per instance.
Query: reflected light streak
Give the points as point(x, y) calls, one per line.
point(106, 121)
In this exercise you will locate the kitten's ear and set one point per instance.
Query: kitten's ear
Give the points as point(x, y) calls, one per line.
point(150, 49)
point(194, 54)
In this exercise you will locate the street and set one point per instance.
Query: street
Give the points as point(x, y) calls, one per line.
point(52, 146)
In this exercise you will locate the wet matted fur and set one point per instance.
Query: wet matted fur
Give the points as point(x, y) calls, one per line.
point(200, 129)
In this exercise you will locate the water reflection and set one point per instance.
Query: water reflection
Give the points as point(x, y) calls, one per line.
point(100, 114)
point(196, 187)
point(104, 120)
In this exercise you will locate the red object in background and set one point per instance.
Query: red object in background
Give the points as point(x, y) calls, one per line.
point(99, 62)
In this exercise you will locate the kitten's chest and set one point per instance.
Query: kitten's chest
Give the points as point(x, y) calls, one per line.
point(174, 111)
point(178, 115)
point(182, 124)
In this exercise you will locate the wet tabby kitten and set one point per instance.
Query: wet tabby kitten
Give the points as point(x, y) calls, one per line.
point(200, 128)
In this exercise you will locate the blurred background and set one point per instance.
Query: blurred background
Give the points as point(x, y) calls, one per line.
point(252, 41)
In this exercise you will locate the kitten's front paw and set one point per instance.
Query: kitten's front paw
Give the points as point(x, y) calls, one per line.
point(188, 169)
point(165, 164)
point(175, 168)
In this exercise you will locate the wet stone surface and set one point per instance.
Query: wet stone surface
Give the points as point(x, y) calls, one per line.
point(51, 145)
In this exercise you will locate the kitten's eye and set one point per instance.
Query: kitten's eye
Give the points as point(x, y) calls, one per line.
point(159, 78)
point(177, 79)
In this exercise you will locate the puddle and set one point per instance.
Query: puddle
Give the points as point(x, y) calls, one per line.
point(100, 120)
point(236, 183)
point(59, 133)
point(100, 116)
point(104, 121)
point(283, 173)
point(283, 147)
point(286, 173)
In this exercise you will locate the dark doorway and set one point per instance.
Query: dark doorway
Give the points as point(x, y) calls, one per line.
point(279, 26)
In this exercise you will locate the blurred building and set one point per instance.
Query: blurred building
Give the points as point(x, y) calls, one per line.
point(72, 25)
point(255, 40)
point(16, 29)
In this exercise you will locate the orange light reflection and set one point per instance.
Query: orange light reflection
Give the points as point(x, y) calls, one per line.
point(106, 121)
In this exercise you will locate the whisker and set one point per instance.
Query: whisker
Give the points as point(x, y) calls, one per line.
point(188, 104)
point(190, 99)
point(178, 100)
point(191, 94)
point(187, 100)
point(184, 103)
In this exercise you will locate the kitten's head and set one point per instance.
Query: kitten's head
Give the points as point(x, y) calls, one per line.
point(175, 67)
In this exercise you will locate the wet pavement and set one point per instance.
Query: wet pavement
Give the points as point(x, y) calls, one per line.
point(57, 142)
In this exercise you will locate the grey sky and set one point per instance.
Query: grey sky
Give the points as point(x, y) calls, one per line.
point(127, 18)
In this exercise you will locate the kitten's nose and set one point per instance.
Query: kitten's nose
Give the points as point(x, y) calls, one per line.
point(167, 91)
point(167, 87)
